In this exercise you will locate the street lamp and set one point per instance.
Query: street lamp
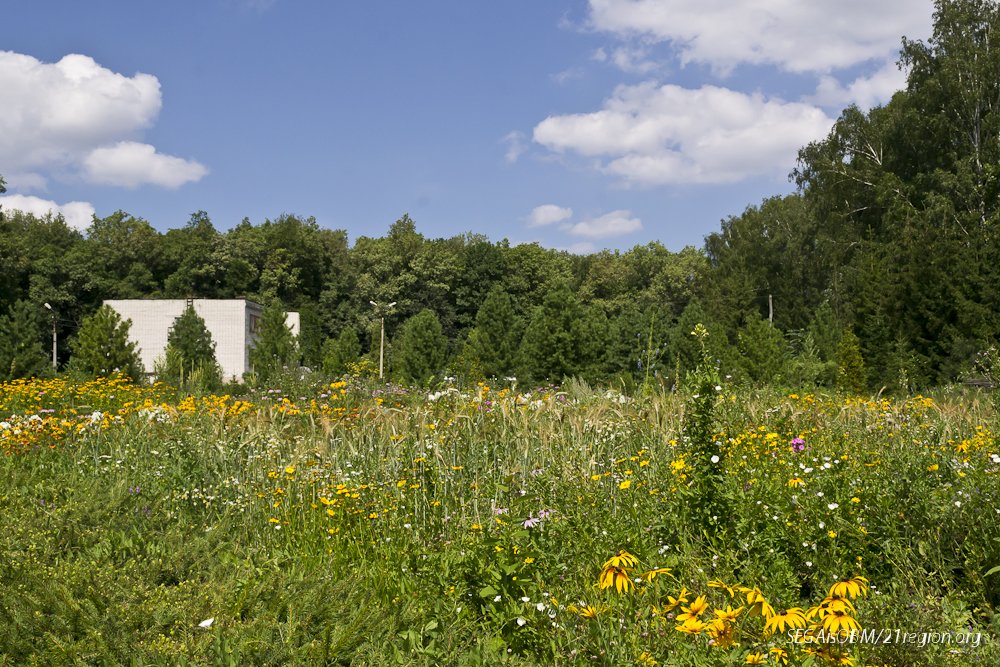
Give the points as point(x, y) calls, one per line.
point(55, 363)
point(381, 346)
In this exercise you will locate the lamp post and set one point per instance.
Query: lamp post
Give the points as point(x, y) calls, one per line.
point(55, 348)
point(381, 345)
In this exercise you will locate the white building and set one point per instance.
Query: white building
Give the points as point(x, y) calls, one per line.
point(233, 324)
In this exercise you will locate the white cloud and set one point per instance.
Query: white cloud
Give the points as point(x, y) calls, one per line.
point(55, 115)
point(548, 214)
point(615, 223)
point(515, 146)
point(796, 36)
point(656, 135)
point(130, 164)
point(78, 214)
point(866, 92)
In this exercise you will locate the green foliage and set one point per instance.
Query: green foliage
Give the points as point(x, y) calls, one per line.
point(558, 342)
point(495, 339)
point(189, 359)
point(275, 349)
point(340, 352)
point(851, 376)
point(763, 351)
point(102, 347)
point(420, 349)
point(21, 351)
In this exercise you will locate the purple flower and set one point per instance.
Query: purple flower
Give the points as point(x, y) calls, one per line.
point(798, 445)
point(531, 522)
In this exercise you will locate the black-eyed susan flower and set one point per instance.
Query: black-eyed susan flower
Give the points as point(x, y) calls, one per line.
point(756, 659)
point(791, 618)
point(694, 610)
point(622, 559)
point(839, 620)
point(852, 588)
point(674, 602)
point(759, 605)
point(615, 577)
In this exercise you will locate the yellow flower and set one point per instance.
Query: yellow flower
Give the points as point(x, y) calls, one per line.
point(759, 605)
point(722, 633)
point(674, 602)
point(694, 610)
point(624, 485)
point(622, 559)
point(715, 583)
point(290, 470)
point(728, 614)
point(646, 659)
point(839, 620)
point(933, 468)
point(792, 618)
point(652, 574)
point(852, 588)
point(615, 577)
point(691, 626)
point(795, 482)
point(832, 534)
point(780, 655)
point(756, 659)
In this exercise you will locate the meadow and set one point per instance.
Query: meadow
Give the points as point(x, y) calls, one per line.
point(351, 524)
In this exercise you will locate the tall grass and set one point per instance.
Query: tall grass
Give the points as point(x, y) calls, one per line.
point(346, 528)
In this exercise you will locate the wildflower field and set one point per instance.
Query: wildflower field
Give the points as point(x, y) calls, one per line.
point(496, 526)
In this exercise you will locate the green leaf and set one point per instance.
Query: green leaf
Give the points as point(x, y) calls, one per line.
point(993, 570)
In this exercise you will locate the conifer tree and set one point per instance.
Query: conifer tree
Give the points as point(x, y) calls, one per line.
point(21, 353)
point(340, 352)
point(550, 347)
point(496, 337)
point(102, 346)
point(276, 348)
point(420, 351)
point(850, 364)
point(763, 350)
point(190, 353)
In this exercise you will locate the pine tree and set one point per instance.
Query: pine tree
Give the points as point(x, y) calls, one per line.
point(497, 334)
point(21, 353)
point(340, 352)
point(420, 350)
point(102, 347)
point(276, 348)
point(190, 354)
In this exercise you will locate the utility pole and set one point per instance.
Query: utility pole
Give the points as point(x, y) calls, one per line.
point(381, 346)
point(55, 348)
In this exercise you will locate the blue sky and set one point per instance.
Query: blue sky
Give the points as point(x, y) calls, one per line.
point(581, 124)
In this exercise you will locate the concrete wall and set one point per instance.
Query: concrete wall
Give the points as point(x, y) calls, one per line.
point(233, 324)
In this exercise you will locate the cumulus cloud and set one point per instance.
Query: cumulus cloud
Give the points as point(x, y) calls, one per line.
point(56, 115)
point(649, 134)
point(793, 35)
point(548, 214)
point(130, 164)
point(866, 92)
point(615, 223)
point(77, 214)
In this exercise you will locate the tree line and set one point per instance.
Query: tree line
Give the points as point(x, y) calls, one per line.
point(880, 270)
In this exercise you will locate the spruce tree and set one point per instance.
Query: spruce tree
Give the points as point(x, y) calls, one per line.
point(340, 352)
point(763, 350)
point(190, 353)
point(420, 350)
point(850, 364)
point(102, 347)
point(496, 337)
point(550, 348)
point(276, 348)
point(21, 352)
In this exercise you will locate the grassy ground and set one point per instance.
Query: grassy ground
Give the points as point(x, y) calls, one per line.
point(478, 527)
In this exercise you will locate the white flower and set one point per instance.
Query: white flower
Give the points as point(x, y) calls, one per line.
point(715, 458)
point(819, 494)
point(526, 599)
point(207, 623)
point(497, 599)
point(809, 563)
point(993, 457)
point(540, 606)
point(832, 506)
point(958, 503)
point(520, 621)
